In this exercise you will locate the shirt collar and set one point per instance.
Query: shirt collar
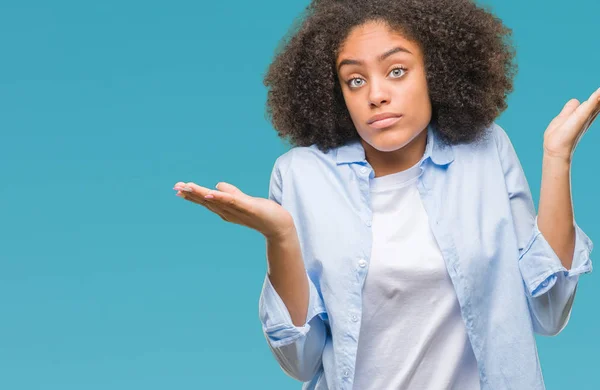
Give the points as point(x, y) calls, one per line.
point(439, 154)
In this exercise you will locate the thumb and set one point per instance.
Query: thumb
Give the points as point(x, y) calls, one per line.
point(569, 108)
point(229, 188)
point(565, 113)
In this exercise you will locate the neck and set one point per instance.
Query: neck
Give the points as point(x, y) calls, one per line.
point(387, 163)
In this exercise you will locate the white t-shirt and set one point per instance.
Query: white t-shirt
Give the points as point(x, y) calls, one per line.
point(412, 335)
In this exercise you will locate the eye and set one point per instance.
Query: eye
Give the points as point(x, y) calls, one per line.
point(397, 72)
point(353, 79)
point(397, 69)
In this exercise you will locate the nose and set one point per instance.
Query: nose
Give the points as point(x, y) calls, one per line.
point(378, 93)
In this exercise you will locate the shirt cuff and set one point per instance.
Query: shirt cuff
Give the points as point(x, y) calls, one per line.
point(539, 264)
point(276, 320)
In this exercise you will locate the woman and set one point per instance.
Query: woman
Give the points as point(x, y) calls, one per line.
point(403, 246)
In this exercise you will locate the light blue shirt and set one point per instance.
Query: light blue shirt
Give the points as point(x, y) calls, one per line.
point(508, 280)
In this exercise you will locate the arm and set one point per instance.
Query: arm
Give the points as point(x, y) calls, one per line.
point(555, 215)
point(290, 304)
point(550, 286)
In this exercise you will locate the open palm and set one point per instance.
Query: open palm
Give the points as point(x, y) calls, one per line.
point(233, 205)
point(564, 132)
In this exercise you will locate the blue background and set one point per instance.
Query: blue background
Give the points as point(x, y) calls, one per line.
point(110, 281)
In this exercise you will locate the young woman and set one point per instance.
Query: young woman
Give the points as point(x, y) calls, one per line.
point(404, 250)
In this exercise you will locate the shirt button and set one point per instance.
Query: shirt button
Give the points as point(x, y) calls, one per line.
point(368, 222)
point(354, 317)
point(544, 283)
point(364, 170)
point(346, 373)
point(362, 263)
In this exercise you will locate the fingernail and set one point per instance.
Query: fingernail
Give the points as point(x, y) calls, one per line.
point(186, 189)
point(208, 196)
point(217, 186)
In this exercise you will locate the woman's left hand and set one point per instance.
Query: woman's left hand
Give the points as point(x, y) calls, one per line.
point(564, 132)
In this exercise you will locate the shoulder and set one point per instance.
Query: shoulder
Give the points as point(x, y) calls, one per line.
point(493, 140)
point(500, 136)
point(303, 158)
point(504, 148)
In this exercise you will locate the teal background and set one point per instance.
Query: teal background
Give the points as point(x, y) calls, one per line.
point(110, 281)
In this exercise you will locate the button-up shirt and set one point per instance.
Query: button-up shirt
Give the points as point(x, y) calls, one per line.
point(509, 282)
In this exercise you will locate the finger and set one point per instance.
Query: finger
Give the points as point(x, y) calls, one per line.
point(229, 188)
point(191, 188)
point(587, 125)
point(565, 113)
point(568, 108)
point(215, 208)
point(594, 104)
point(581, 115)
point(595, 96)
point(196, 189)
point(198, 199)
point(591, 120)
point(232, 202)
point(594, 115)
point(594, 101)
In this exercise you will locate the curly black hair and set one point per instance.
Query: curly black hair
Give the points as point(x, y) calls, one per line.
point(468, 59)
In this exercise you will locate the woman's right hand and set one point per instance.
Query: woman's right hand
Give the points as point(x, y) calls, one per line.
point(232, 205)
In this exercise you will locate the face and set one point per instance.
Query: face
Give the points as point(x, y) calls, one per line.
point(381, 72)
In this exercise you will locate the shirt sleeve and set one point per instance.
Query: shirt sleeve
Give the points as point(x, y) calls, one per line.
point(297, 349)
point(550, 287)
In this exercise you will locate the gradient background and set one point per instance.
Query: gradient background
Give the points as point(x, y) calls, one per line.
point(110, 281)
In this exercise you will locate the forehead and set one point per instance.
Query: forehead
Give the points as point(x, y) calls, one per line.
point(371, 39)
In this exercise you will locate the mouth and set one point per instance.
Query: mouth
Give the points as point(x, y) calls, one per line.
point(383, 123)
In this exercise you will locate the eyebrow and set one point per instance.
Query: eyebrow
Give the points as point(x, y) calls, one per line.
point(382, 57)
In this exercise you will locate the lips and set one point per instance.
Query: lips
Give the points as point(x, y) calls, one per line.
point(382, 116)
point(385, 121)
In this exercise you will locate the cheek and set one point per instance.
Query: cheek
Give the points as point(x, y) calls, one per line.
point(417, 87)
point(415, 101)
point(352, 104)
point(420, 87)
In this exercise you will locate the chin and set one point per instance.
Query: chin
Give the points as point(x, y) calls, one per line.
point(389, 140)
point(389, 147)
